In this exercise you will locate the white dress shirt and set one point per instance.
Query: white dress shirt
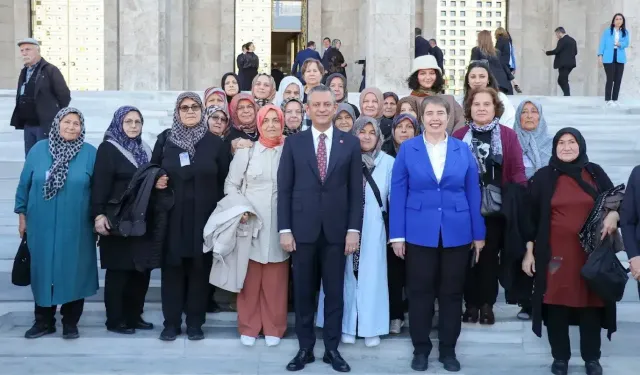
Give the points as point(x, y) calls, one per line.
point(437, 155)
point(616, 35)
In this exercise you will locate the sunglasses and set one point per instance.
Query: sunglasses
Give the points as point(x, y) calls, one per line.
point(186, 108)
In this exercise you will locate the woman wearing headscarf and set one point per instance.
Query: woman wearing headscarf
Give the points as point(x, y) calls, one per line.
point(371, 103)
point(217, 120)
point(262, 302)
point(498, 153)
point(344, 117)
point(215, 96)
point(126, 279)
point(290, 87)
point(244, 112)
point(293, 111)
point(389, 111)
point(231, 85)
point(338, 85)
point(405, 126)
point(426, 80)
point(366, 299)
point(263, 89)
point(196, 162)
point(562, 196)
point(409, 104)
point(54, 208)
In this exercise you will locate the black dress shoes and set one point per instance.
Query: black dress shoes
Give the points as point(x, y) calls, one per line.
point(195, 333)
point(142, 325)
point(304, 357)
point(170, 333)
point(70, 331)
point(559, 367)
point(39, 330)
point(593, 368)
point(420, 362)
point(334, 358)
point(450, 363)
point(122, 329)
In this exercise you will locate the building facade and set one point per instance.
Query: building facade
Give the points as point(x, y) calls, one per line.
point(180, 44)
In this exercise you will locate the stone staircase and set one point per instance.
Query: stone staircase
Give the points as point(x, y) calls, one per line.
point(613, 137)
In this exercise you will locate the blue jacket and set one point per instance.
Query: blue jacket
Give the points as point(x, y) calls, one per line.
point(301, 57)
point(606, 46)
point(423, 209)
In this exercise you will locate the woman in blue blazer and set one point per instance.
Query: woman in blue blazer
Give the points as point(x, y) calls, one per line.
point(434, 222)
point(611, 54)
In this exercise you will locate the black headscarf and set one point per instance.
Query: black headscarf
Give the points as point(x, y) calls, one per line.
point(224, 78)
point(573, 169)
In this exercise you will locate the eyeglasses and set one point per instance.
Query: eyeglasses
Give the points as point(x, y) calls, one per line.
point(219, 119)
point(133, 123)
point(186, 108)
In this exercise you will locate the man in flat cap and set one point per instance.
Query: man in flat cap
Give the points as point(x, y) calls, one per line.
point(42, 92)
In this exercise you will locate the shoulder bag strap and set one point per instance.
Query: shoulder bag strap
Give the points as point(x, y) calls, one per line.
point(373, 186)
point(243, 189)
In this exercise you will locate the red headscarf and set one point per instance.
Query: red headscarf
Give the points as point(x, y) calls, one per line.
point(233, 111)
point(262, 113)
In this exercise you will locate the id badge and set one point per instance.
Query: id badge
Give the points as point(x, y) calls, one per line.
point(22, 88)
point(46, 175)
point(184, 159)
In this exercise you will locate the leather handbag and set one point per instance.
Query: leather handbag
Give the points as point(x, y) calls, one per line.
point(604, 273)
point(21, 272)
point(491, 200)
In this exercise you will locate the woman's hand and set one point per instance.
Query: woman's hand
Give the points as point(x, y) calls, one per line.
point(478, 246)
point(244, 143)
point(398, 249)
point(22, 225)
point(102, 226)
point(529, 261)
point(162, 182)
point(600, 60)
point(610, 224)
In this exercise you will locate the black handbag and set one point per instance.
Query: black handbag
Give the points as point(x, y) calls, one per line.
point(491, 200)
point(21, 272)
point(604, 273)
point(376, 192)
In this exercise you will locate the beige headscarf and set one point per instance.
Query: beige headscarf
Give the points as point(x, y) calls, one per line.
point(272, 94)
point(375, 91)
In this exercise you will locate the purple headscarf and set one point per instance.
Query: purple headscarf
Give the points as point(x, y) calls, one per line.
point(115, 132)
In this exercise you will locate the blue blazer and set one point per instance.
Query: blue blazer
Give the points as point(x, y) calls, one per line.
point(423, 209)
point(606, 46)
point(307, 206)
point(301, 57)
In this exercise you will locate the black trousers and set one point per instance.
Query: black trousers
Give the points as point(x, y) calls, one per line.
point(614, 72)
point(71, 312)
point(124, 295)
point(557, 321)
point(396, 277)
point(482, 280)
point(185, 288)
point(435, 273)
point(563, 80)
point(332, 261)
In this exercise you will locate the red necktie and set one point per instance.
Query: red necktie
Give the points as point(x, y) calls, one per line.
point(321, 155)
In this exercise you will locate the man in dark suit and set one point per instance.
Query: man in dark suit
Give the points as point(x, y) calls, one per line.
point(319, 219)
point(42, 92)
point(422, 46)
point(437, 53)
point(326, 46)
point(307, 53)
point(565, 58)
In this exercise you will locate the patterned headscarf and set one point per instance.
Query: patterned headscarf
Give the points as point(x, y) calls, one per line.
point(536, 144)
point(262, 113)
point(345, 107)
point(272, 94)
point(378, 94)
point(345, 98)
point(210, 111)
point(115, 133)
point(496, 141)
point(62, 152)
point(233, 111)
point(406, 116)
point(186, 137)
point(286, 82)
point(218, 91)
point(288, 131)
point(369, 157)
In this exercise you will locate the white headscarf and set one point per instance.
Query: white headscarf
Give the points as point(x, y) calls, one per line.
point(286, 81)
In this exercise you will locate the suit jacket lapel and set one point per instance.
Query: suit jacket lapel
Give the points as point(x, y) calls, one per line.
point(336, 149)
point(421, 153)
point(310, 152)
point(453, 153)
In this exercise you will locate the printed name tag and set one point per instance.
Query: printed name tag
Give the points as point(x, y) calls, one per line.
point(46, 175)
point(184, 159)
point(22, 89)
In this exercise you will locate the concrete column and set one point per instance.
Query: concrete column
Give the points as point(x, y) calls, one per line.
point(390, 49)
point(14, 25)
point(111, 65)
point(335, 16)
point(420, 13)
point(631, 80)
point(315, 12)
point(227, 33)
point(430, 19)
point(204, 44)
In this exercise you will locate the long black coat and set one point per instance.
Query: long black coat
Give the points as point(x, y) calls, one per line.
point(111, 176)
point(51, 95)
point(204, 178)
point(541, 189)
point(499, 70)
